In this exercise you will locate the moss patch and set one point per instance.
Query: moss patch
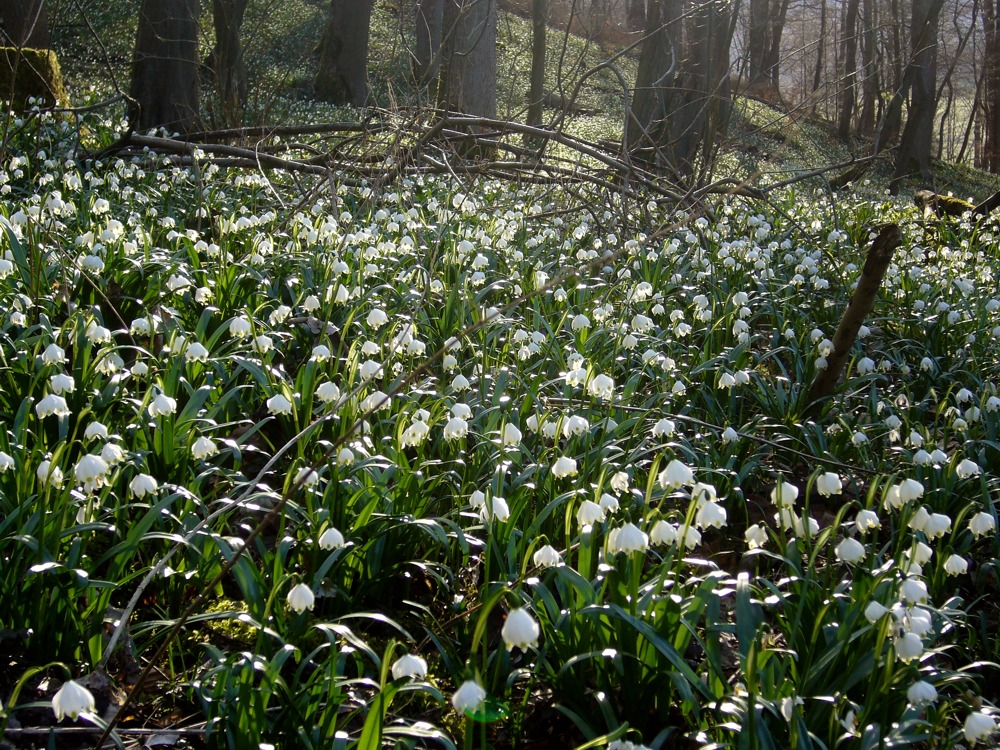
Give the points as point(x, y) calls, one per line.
point(26, 73)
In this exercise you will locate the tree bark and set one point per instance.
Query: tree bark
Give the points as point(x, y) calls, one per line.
point(468, 81)
point(850, 52)
point(164, 89)
point(658, 64)
point(536, 92)
point(914, 152)
point(870, 82)
point(991, 85)
point(226, 61)
point(427, 51)
point(767, 23)
point(861, 304)
point(342, 77)
point(24, 23)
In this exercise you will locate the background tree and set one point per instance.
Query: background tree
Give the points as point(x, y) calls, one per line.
point(164, 90)
point(765, 27)
point(849, 36)
point(681, 105)
point(426, 55)
point(468, 80)
point(24, 23)
point(636, 15)
point(226, 61)
point(990, 109)
point(536, 92)
point(342, 77)
point(914, 152)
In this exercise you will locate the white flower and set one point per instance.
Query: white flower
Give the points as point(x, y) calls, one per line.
point(376, 401)
point(91, 470)
point(967, 468)
point(913, 591)
point(331, 539)
point(456, 429)
point(497, 509)
point(981, 523)
point(921, 693)
point(589, 513)
point(729, 435)
point(306, 477)
point(784, 494)
point(162, 405)
point(301, 598)
point(956, 565)
point(6, 462)
point(142, 485)
point(829, 483)
point(263, 344)
point(580, 323)
point(564, 467)
point(867, 520)
point(664, 428)
point(48, 474)
point(628, 538)
point(203, 447)
point(602, 386)
point(850, 551)
point(469, 697)
point(910, 489)
point(520, 630)
point(377, 318)
point(240, 327)
point(755, 536)
point(328, 392)
point(511, 435)
point(62, 383)
point(690, 537)
point(196, 352)
point(938, 524)
point(71, 700)
point(52, 405)
point(875, 612)
point(345, 457)
point(710, 514)
point(278, 404)
point(619, 482)
point(675, 475)
point(547, 557)
point(978, 726)
point(53, 355)
point(409, 666)
point(95, 431)
point(908, 646)
point(320, 353)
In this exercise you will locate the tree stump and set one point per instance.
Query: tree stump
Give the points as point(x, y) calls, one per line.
point(31, 73)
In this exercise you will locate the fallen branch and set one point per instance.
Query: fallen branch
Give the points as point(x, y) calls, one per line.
point(861, 304)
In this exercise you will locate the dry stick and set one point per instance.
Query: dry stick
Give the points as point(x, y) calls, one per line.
point(862, 303)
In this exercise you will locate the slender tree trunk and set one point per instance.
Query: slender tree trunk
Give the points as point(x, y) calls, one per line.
point(914, 152)
point(24, 23)
point(164, 90)
point(991, 87)
point(657, 65)
point(469, 66)
point(226, 61)
point(536, 93)
point(342, 77)
point(427, 51)
point(767, 23)
point(820, 48)
point(870, 82)
point(850, 53)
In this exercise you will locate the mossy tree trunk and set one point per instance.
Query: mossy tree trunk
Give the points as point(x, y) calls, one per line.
point(342, 77)
point(164, 90)
point(536, 90)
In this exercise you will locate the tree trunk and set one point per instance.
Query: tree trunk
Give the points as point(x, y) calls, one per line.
point(226, 61)
point(164, 90)
point(536, 93)
point(694, 91)
point(870, 82)
point(468, 82)
point(991, 85)
point(342, 77)
point(914, 152)
point(24, 23)
point(850, 52)
point(767, 23)
point(821, 45)
point(427, 51)
point(636, 15)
